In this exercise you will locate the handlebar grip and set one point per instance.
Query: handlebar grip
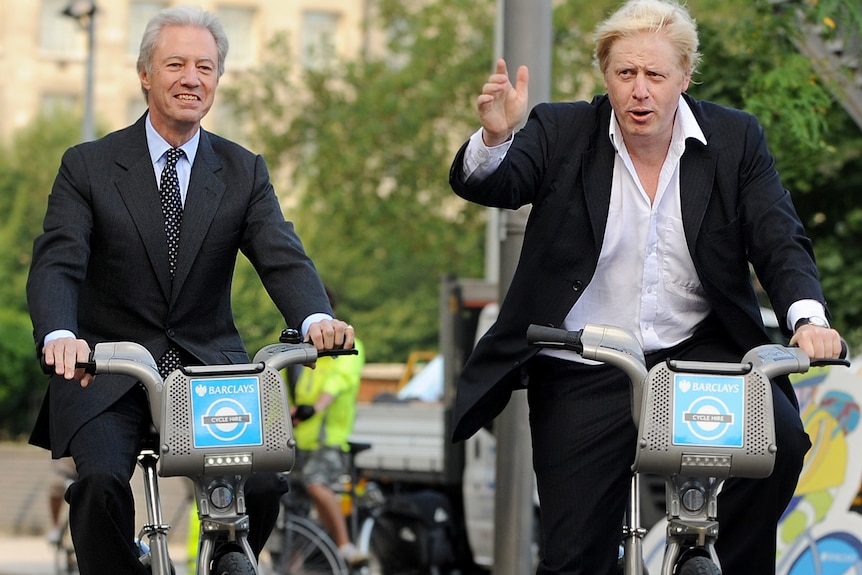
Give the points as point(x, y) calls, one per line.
point(338, 351)
point(87, 366)
point(554, 337)
point(292, 336)
point(841, 360)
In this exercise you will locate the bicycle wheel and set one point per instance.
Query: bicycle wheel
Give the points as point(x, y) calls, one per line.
point(234, 563)
point(699, 566)
point(65, 561)
point(303, 548)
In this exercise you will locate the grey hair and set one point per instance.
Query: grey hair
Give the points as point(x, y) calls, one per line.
point(180, 16)
point(668, 17)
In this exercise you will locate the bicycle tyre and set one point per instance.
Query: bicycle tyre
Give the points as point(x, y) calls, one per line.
point(65, 560)
point(305, 548)
point(699, 566)
point(234, 563)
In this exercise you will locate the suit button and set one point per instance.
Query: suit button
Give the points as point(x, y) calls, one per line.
point(170, 332)
point(578, 286)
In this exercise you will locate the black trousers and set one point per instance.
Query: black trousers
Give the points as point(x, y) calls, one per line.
point(101, 504)
point(583, 447)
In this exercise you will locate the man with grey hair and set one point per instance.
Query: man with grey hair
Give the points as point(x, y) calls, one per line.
point(140, 241)
point(647, 208)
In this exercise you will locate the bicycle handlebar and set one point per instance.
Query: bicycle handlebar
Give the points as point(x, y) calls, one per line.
point(620, 348)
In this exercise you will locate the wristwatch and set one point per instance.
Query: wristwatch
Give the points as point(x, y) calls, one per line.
point(813, 320)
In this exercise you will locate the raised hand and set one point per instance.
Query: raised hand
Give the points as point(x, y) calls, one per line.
point(502, 107)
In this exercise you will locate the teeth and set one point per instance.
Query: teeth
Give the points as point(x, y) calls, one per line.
point(185, 97)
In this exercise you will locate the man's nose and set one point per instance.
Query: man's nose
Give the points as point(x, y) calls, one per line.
point(640, 90)
point(190, 76)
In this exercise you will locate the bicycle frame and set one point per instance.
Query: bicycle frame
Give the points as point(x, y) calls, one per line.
point(698, 424)
point(216, 425)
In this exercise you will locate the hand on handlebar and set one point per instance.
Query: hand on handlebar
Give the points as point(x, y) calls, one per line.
point(330, 334)
point(63, 353)
point(817, 342)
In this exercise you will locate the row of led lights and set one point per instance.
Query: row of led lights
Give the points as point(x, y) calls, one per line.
point(244, 459)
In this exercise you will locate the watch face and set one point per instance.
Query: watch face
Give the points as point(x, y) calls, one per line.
point(813, 320)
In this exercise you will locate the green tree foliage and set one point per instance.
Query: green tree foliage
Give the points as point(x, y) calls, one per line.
point(27, 169)
point(22, 383)
point(367, 144)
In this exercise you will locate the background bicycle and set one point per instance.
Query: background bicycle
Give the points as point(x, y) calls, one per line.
point(300, 544)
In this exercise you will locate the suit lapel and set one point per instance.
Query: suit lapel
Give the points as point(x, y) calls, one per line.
point(202, 202)
point(696, 179)
point(137, 187)
point(598, 168)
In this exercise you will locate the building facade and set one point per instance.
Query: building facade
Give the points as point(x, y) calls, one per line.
point(44, 53)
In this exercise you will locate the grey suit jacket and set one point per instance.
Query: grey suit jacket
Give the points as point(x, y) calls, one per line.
point(100, 269)
point(734, 211)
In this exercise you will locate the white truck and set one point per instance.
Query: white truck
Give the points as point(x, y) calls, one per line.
point(410, 432)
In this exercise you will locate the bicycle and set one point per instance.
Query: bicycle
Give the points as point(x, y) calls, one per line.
point(694, 444)
point(65, 562)
point(299, 544)
point(215, 425)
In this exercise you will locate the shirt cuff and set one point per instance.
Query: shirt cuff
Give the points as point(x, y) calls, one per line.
point(479, 160)
point(57, 334)
point(804, 308)
point(315, 317)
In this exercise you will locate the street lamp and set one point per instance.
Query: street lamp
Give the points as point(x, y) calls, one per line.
point(84, 12)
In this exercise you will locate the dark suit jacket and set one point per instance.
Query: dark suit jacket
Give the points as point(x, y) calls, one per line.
point(734, 211)
point(101, 267)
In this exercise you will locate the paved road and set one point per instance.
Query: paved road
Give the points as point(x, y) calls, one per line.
point(33, 555)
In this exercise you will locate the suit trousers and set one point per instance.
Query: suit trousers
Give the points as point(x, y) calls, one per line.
point(101, 504)
point(583, 447)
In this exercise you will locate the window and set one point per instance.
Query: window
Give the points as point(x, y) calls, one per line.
point(318, 38)
point(55, 104)
point(238, 23)
point(57, 32)
point(139, 14)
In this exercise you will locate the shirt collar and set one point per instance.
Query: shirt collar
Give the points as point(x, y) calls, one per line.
point(685, 127)
point(158, 145)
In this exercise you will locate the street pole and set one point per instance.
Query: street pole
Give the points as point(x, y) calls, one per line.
point(88, 129)
point(84, 12)
point(525, 38)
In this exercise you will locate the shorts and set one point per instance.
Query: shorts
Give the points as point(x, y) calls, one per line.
point(325, 466)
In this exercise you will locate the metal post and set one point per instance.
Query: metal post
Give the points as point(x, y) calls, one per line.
point(526, 39)
point(88, 129)
point(84, 12)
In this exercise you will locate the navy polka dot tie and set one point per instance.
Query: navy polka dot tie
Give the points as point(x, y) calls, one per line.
point(172, 205)
point(172, 208)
